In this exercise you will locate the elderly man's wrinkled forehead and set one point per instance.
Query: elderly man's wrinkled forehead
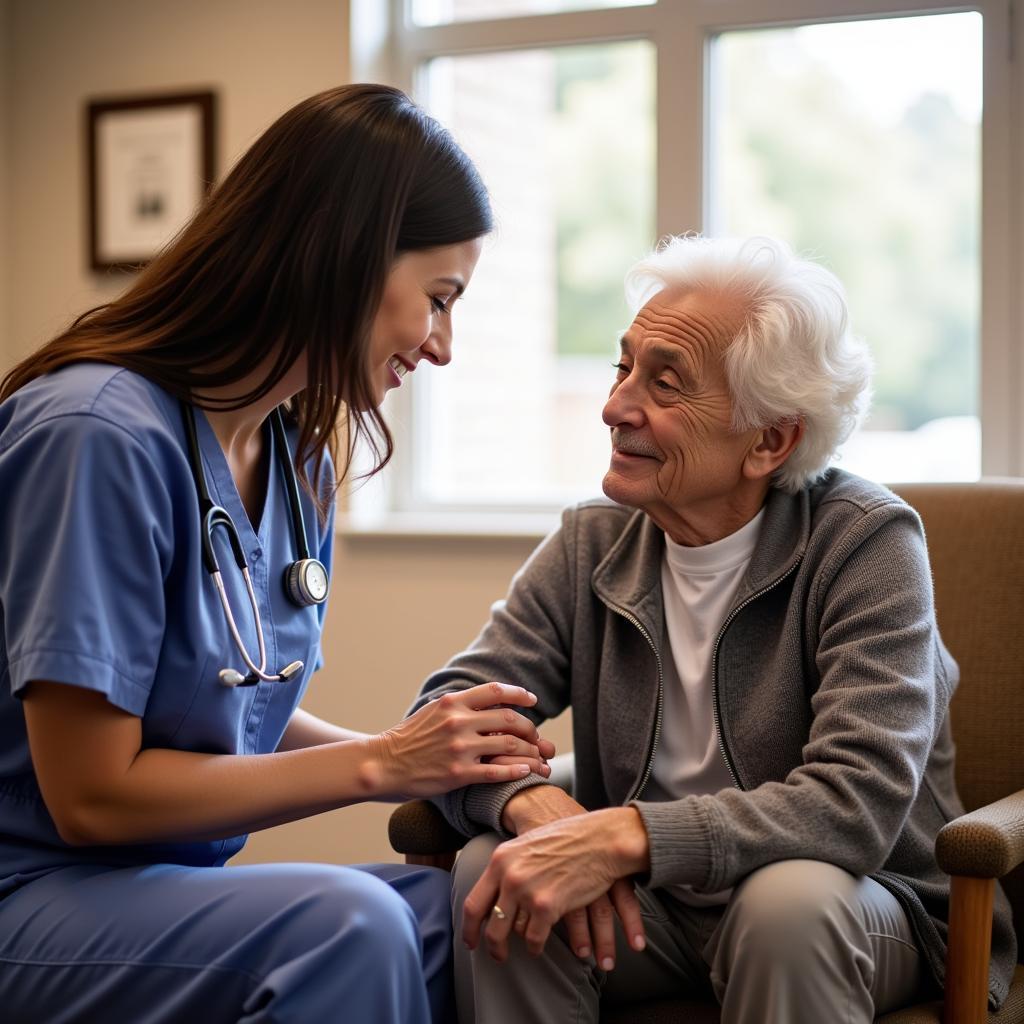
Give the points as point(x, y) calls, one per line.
point(703, 322)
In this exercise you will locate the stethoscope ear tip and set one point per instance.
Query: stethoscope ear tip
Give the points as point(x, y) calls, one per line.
point(231, 677)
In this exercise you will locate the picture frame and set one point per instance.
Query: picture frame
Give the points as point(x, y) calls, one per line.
point(150, 161)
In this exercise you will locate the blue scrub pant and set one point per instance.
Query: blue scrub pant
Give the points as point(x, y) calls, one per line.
point(279, 942)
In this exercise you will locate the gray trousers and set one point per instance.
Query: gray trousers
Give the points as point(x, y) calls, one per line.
point(799, 942)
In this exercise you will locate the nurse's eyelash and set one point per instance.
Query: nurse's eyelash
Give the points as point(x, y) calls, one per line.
point(439, 305)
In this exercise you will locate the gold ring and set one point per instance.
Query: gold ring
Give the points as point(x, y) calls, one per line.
point(498, 912)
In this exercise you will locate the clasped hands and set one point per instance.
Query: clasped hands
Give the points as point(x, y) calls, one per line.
point(461, 738)
point(565, 864)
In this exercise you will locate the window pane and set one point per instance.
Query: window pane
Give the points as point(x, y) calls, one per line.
point(442, 12)
point(564, 139)
point(878, 175)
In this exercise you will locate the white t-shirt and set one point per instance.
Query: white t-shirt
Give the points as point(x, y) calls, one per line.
point(698, 585)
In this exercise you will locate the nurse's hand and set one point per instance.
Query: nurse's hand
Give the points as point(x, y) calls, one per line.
point(448, 743)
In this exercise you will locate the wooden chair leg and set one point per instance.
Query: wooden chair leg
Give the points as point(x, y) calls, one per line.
point(444, 861)
point(970, 945)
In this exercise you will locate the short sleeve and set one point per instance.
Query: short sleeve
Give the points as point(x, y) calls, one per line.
point(86, 538)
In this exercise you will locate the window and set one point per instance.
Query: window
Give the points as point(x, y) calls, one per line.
point(803, 144)
point(564, 139)
point(601, 126)
point(440, 12)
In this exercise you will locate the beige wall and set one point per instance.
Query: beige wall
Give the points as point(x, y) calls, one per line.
point(398, 608)
point(261, 56)
point(5, 69)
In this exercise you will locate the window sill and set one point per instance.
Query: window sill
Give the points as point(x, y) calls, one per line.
point(477, 525)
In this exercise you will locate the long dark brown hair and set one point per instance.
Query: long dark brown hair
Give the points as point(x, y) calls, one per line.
point(291, 252)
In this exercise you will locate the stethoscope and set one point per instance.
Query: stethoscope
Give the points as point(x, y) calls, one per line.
point(305, 579)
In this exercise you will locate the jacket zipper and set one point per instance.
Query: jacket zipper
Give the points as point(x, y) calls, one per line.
point(652, 750)
point(660, 705)
point(714, 667)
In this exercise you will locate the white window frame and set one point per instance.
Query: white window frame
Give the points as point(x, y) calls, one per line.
point(387, 47)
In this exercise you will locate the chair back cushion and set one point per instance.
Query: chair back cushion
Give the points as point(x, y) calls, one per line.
point(975, 534)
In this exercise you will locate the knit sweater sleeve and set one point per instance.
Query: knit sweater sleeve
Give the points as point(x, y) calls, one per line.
point(881, 696)
point(527, 641)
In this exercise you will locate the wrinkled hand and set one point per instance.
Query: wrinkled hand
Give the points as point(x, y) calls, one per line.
point(447, 743)
point(591, 929)
point(555, 869)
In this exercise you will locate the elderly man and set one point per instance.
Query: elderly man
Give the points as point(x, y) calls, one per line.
point(759, 691)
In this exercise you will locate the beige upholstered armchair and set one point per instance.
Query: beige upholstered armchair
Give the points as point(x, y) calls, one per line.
point(975, 537)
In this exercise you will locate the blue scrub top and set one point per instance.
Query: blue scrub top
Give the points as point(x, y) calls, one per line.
point(102, 586)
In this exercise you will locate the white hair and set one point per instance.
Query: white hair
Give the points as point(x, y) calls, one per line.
point(793, 358)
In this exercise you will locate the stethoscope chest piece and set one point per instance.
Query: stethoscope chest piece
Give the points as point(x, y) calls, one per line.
point(305, 582)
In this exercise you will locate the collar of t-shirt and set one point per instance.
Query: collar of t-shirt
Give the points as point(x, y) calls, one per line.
point(720, 556)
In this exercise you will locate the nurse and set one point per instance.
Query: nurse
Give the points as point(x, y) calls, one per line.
point(166, 501)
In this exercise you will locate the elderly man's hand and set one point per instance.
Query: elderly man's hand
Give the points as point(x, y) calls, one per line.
point(590, 929)
point(555, 869)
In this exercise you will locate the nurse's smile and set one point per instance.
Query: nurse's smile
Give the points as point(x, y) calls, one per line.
point(414, 318)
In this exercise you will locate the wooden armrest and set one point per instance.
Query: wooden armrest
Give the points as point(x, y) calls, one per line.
point(418, 827)
point(987, 843)
point(976, 849)
point(968, 950)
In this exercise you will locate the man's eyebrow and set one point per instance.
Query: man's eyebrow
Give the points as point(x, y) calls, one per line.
point(670, 354)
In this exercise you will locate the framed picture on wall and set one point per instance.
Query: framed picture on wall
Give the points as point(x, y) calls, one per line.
point(151, 160)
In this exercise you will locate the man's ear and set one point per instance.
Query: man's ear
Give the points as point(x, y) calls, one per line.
point(771, 447)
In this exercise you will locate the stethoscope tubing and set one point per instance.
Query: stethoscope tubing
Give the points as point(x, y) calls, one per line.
point(213, 516)
point(218, 582)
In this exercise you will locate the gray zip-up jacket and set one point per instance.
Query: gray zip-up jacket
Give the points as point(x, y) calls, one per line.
point(831, 690)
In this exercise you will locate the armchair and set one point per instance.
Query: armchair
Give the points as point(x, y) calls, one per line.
point(975, 534)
